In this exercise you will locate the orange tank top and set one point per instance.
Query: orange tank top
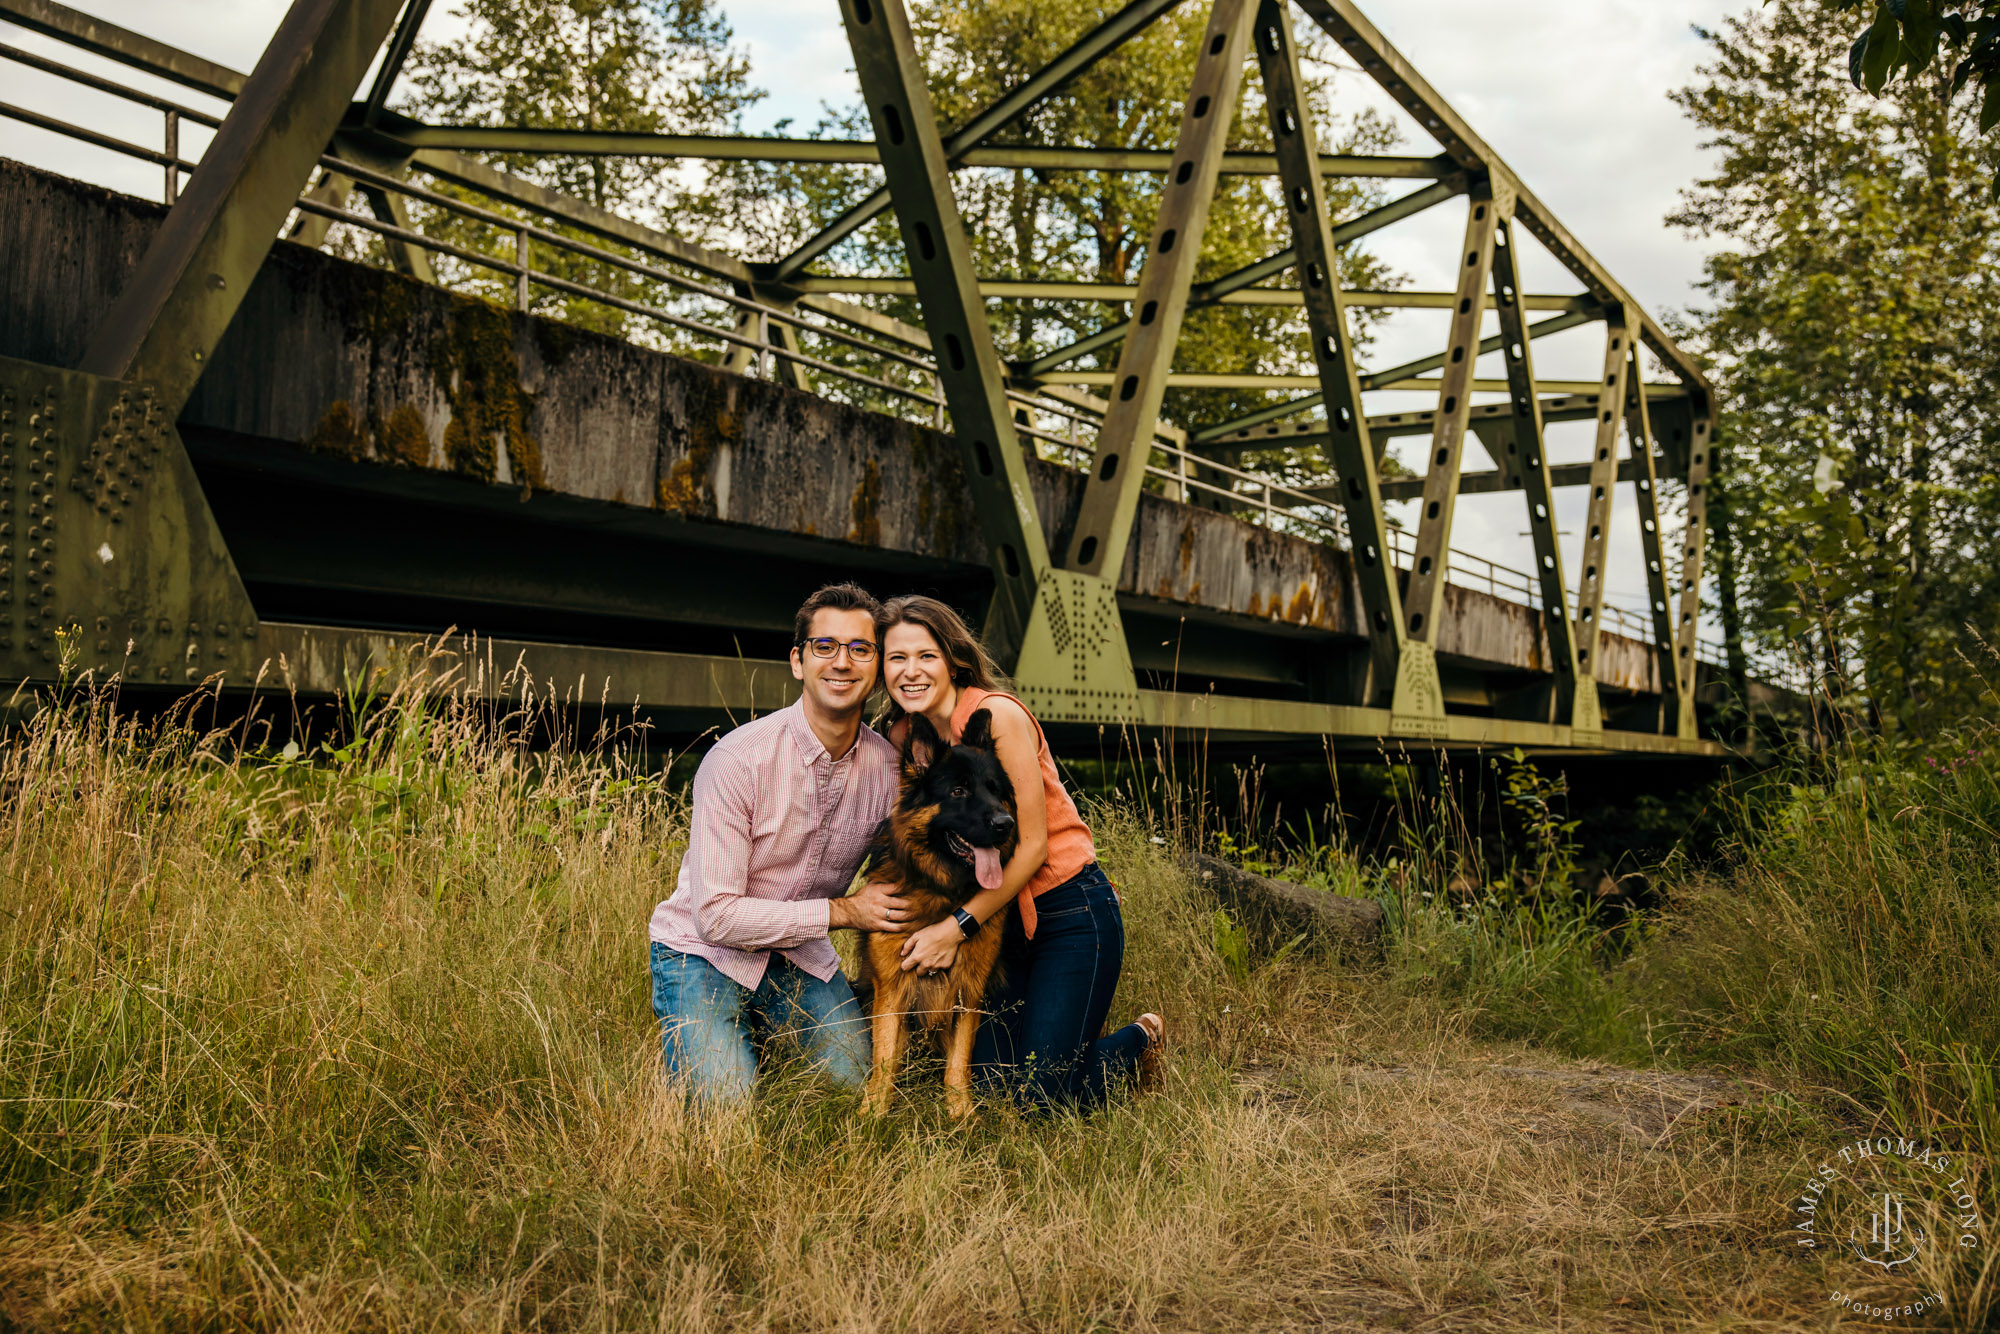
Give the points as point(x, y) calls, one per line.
point(1070, 847)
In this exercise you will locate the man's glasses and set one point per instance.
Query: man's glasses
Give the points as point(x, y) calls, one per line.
point(859, 650)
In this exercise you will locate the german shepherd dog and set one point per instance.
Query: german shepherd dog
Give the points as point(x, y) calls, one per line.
point(951, 833)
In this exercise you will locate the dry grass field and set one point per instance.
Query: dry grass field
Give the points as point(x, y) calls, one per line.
point(357, 1038)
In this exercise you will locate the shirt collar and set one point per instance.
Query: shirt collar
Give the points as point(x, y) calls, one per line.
point(811, 752)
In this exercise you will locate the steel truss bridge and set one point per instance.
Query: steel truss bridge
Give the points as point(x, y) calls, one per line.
point(226, 457)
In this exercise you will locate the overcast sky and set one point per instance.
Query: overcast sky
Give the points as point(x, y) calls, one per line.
point(1571, 93)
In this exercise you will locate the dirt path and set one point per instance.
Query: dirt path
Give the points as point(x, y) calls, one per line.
point(1646, 1107)
point(1501, 1189)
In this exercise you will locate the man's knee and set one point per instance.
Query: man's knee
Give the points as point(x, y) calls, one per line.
point(703, 1040)
point(845, 1054)
point(834, 1030)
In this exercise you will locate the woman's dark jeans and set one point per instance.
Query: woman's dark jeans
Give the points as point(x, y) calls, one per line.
point(1040, 1038)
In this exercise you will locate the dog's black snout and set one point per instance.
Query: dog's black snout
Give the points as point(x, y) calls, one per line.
point(1001, 822)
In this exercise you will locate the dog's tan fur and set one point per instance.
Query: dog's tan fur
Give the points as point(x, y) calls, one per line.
point(950, 1005)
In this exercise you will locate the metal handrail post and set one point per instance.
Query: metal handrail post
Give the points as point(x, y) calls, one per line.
point(521, 269)
point(172, 147)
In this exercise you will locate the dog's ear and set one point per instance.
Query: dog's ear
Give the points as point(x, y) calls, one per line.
point(979, 732)
point(921, 746)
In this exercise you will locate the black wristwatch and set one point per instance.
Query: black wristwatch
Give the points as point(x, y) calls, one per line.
point(967, 923)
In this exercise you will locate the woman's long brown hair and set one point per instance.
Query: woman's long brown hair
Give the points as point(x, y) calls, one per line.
point(970, 665)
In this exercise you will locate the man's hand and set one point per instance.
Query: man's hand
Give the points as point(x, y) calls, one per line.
point(874, 907)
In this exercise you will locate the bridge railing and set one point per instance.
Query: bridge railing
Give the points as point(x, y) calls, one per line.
point(871, 361)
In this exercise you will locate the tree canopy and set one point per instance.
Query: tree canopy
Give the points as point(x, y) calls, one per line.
point(1854, 332)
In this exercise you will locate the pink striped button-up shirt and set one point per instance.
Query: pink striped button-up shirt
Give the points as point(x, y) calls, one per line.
point(779, 827)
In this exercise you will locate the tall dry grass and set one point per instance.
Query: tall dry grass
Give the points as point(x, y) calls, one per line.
point(354, 1034)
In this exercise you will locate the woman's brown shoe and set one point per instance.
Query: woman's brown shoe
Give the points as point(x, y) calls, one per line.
point(1153, 1056)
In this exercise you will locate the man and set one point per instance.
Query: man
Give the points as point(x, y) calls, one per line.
point(784, 808)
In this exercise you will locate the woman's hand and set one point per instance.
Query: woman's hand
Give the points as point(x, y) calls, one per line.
point(933, 949)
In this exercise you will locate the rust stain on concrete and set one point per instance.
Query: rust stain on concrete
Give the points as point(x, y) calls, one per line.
point(1301, 610)
point(1185, 562)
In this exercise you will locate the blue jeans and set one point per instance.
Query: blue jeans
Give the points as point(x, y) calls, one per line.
point(1040, 1041)
point(710, 1026)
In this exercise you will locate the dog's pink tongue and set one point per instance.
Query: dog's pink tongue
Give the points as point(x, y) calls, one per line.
point(986, 867)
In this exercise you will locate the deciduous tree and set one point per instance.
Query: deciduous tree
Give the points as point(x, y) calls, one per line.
point(1854, 338)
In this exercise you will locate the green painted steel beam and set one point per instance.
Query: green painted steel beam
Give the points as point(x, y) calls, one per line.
point(112, 562)
point(387, 205)
point(940, 256)
point(393, 57)
point(1491, 481)
point(1232, 380)
point(1005, 289)
point(156, 58)
point(1394, 377)
point(860, 152)
point(321, 660)
point(1674, 674)
point(1118, 467)
point(172, 313)
point(1563, 407)
point(1694, 546)
point(1347, 450)
point(1524, 456)
point(1592, 572)
point(318, 661)
point(1424, 598)
point(1051, 78)
point(1386, 425)
point(1212, 293)
point(1363, 165)
point(755, 325)
point(1214, 718)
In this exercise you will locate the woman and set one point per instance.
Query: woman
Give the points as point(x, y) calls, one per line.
point(1062, 967)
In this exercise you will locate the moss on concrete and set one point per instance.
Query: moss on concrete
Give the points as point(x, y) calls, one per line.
point(688, 485)
point(481, 377)
point(401, 438)
point(339, 432)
